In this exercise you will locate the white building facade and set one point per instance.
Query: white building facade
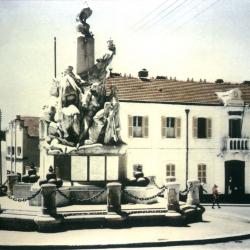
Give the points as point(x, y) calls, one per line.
point(209, 142)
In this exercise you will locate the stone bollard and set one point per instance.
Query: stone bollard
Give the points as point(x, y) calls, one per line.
point(172, 195)
point(193, 193)
point(114, 197)
point(49, 220)
point(48, 199)
point(12, 180)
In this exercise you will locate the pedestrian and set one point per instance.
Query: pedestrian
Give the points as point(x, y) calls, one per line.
point(215, 194)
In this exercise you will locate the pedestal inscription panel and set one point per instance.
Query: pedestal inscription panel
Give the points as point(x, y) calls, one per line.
point(96, 168)
point(112, 168)
point(79, 168)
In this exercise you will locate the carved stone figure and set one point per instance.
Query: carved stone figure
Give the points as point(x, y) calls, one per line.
point(79, 112)
point(99, 121)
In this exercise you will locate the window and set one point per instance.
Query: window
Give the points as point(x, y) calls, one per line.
point(8, 150)
point(170, 170)
point(202, 127)
point(137, 126)
point(235, 128)
point(19, 151)
point(12, 150)
point(202, 173)
point(171, 127)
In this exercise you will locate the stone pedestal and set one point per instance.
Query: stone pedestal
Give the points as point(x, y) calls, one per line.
point(172, 195)
point(114, 197)
point(193, 193)
point(12, 180)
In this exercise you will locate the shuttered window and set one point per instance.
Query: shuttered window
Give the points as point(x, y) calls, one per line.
point(170, 127)
point(138, 126)
point(202, 127)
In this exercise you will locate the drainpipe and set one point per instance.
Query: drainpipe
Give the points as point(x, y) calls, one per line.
point(187, 143)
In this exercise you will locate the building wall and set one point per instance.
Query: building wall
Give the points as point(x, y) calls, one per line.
point(154, 152)
point(26, 148)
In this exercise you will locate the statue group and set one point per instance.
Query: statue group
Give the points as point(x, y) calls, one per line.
point(81, 111)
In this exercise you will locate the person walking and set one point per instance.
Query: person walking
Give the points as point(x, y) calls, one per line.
point(215, 194)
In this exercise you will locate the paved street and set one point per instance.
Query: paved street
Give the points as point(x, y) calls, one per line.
point(235, 245)
point(218, 223)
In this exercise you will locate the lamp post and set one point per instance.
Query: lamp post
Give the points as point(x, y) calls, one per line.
point(187, 143)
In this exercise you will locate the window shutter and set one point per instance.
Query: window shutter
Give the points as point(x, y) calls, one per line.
point(145, 126)
point(130, 126)
point(209, 128)
point(195, 127)
point(178, 127)
point(163, 126)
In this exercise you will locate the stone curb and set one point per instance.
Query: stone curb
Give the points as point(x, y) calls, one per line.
point(138, 244)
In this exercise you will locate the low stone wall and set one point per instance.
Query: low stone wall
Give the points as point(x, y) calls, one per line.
point(22, 190)
point(60, 200)
point(84, 192)
point(142, 193)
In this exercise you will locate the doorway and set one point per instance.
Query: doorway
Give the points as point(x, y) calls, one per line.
point(235, 178)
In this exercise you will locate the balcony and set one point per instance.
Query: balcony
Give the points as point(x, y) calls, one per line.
point(237, 144)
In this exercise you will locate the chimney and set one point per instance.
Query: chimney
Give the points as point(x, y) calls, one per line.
point(143, 75)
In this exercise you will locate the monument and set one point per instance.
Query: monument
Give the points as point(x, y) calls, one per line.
point(80, 125)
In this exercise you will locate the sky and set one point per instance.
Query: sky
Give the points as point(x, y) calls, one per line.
point(200, 39)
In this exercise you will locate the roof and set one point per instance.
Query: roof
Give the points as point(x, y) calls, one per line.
point(32, 124)
point(170, 91)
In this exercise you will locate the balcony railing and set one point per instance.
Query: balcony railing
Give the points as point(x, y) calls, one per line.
point(239, 144)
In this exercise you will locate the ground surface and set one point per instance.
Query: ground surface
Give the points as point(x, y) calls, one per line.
point(228, 221)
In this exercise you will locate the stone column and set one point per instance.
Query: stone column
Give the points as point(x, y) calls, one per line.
point(172, 195)
point(114, 197)
point(12, 180)
point(193, 193)
point(48, 199)
point(85, 54)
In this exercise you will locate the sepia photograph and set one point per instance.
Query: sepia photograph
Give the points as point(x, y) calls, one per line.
point(125, 124)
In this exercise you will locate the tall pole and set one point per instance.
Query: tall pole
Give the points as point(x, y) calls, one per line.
point(55, 57)
point(187, 143)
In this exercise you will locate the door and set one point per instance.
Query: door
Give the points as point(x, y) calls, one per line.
point(234, 178)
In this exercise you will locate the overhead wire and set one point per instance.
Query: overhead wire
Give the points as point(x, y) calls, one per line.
point(195, 16)
point(155, 17)
point(181, 14)
point(149, 14)
point(170, 12)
